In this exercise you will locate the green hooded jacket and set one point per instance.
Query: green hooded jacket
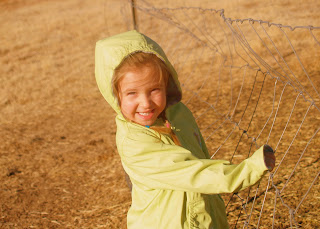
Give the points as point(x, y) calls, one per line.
point(172, 186)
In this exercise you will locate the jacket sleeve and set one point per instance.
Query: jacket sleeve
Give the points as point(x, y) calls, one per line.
point(150, 162)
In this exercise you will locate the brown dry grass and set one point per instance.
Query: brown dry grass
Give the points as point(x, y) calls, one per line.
point(58, 162)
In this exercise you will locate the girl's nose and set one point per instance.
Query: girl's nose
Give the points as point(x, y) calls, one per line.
point(145, 101)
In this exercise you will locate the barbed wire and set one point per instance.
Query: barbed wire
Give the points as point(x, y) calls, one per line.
point(287, 78)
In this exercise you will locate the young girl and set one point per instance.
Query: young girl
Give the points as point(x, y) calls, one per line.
point(174, 182)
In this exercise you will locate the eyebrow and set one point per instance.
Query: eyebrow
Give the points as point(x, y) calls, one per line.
point(134, 89)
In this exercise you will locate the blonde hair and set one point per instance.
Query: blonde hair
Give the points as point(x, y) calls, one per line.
point(138, 60)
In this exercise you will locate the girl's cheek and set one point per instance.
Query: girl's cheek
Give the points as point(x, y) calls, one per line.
point(130, 103)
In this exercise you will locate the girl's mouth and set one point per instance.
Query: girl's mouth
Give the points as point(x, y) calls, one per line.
point(146, 115)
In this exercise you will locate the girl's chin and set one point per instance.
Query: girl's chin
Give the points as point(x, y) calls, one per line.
point(146, 123)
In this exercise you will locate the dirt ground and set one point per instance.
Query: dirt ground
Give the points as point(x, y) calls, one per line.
point(59, 166)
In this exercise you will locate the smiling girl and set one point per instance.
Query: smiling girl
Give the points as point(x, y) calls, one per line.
point(140, 86)
point(174, 182)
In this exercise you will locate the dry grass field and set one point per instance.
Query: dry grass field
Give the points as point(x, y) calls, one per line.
point(59, 166)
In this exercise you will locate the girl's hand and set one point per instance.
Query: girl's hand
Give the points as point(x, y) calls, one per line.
point(269, 158)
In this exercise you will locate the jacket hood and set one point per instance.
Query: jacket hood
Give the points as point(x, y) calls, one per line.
point(110, 52)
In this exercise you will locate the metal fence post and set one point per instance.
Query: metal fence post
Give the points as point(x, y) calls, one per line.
point(135, 26)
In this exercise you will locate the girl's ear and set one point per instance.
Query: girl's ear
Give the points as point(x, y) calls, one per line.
point(118, 94)
point(119, 98)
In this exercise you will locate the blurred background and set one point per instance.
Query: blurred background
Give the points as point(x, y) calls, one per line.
point(59, 166)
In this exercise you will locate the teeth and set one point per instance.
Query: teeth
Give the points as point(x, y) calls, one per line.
point(144, 114)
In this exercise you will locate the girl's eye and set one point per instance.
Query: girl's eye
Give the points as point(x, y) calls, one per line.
point(131, 93)
point(156, 89)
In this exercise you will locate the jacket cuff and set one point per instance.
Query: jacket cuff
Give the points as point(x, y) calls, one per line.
point(257, 160)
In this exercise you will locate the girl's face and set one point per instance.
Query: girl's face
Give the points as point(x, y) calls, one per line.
point(142, 96)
